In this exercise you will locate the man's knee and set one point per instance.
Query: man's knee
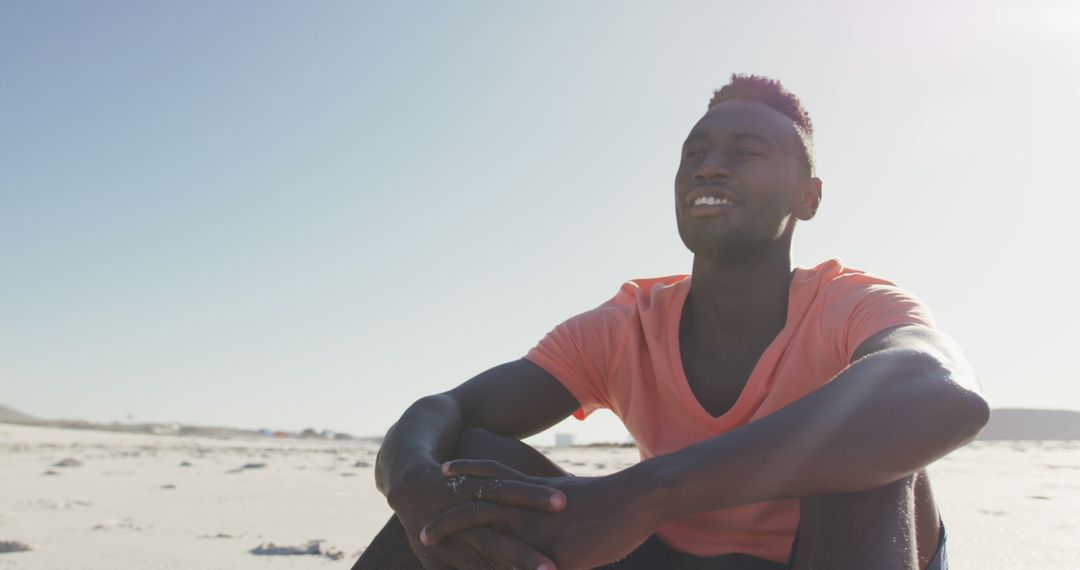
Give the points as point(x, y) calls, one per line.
point(478, 443)
point(865, 529)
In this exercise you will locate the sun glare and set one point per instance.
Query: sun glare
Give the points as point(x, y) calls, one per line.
point(1063, 17)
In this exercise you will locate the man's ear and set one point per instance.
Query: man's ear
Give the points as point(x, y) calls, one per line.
point(807, 208)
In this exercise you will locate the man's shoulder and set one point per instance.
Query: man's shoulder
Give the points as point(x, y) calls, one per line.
point(833, 278)
point(637, 300)
point(848, 295)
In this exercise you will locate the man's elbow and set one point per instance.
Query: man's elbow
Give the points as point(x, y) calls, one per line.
point(972, 413)
point(947, 394)
point(962, 411)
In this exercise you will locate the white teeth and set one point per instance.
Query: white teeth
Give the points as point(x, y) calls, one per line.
point(713, 201)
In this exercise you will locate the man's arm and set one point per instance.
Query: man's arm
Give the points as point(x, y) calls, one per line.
point(907, 399)
point(515, 399)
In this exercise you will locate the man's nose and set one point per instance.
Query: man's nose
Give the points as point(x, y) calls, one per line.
point(714, 165)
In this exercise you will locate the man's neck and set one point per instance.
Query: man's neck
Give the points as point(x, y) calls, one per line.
point(738, 303)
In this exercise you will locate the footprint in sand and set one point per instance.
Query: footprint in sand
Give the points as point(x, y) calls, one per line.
point(56, 504)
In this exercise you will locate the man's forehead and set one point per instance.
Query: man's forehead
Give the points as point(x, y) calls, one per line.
point(744, 117)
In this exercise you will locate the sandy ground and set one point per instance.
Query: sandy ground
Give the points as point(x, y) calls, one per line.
point(139, 501)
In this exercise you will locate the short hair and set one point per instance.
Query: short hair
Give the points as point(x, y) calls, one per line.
point(768, 91)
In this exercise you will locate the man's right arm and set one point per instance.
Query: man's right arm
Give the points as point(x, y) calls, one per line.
point(516, 399)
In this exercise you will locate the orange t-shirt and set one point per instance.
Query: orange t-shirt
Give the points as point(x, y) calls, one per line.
point(624, 356)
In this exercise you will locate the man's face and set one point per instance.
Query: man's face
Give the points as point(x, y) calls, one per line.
point(741, 183)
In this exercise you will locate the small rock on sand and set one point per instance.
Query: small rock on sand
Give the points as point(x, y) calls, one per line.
point(311, 547)
point(69, 462)
point(361, 464)
point(248, 466)
point(185, 464)
point(13, 546)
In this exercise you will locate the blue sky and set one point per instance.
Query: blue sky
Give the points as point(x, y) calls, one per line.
point(290, 215)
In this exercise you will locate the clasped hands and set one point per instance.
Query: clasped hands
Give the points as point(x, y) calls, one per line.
point(493, 516)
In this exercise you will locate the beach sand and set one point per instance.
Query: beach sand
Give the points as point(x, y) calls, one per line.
point(84, 499)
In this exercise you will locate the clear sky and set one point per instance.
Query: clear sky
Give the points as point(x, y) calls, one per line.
point(285, 214)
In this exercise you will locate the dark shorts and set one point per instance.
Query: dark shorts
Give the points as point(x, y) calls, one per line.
point(654, 555)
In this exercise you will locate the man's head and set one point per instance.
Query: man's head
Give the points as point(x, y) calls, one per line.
point(747, 172)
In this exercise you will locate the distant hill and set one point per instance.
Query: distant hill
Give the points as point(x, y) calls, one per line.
point(13, 416)
point(1008, 424)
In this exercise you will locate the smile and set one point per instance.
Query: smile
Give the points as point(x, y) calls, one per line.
point(709, 201)
point(712, 201)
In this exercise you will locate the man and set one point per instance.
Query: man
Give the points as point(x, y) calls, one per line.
point(783, 416)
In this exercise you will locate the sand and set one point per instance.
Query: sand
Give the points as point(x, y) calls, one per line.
point(83, 499)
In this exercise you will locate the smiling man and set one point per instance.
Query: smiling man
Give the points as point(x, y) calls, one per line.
point(784, 416)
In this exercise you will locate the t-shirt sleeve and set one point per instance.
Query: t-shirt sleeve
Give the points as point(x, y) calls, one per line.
point(579, 353)
point(864, 305)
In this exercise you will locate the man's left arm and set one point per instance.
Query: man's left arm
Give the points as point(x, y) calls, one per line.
point(908, 398)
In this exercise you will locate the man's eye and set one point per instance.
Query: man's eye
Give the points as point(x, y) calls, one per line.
point(694, 154)
point(746, 152)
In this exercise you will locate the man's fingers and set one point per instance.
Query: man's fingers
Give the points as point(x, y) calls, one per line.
point(482, 468)
point(508, 550)
point(515, 494)
point(469, 515)
point(492, 481)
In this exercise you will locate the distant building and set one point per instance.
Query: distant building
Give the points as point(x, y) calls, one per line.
point(564, 439)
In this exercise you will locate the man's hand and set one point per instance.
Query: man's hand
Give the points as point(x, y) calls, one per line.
point(605, 518)
point(424, 493)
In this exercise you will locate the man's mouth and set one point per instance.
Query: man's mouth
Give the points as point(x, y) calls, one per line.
point(708, 201)
point(713, 201)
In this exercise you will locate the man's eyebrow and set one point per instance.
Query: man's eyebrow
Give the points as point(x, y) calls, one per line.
point(704, 135)
point(753, 136)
